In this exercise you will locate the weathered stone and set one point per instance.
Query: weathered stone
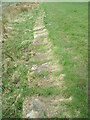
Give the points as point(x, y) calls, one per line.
point(34, 67)
point(39, 68)
point(33, 114)
point(35, 109)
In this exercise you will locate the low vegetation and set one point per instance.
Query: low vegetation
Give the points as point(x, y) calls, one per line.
point(67, 24)
point(18, 34)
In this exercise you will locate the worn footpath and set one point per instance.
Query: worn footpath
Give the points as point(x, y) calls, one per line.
point(40, 106)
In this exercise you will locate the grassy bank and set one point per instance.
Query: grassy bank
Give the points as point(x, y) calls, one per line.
point(67, 24)
point(16, 50)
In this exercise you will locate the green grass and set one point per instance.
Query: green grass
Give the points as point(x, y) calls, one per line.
point(42, 91)
point(39, 75)
point(31, 62)
point(17, 49)
point(67, 24)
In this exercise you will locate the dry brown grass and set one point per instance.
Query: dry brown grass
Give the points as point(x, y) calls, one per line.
point(13, 10)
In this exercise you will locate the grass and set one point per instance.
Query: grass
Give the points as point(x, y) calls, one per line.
point(68, 32)
point(39, 75)
point(67, 24)
point(15, 53)
point(44, 91)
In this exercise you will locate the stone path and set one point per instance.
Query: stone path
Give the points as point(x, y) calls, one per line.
point(40, 106)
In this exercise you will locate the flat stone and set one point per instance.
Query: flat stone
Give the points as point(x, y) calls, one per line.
point(39, 41)
point(33, 108)
point(33, 114)
point(39, 28)
point(34, 67)
point(42, 56)
point(39, 68)
point(41, 31)
point(40, 35)
point(39, 107)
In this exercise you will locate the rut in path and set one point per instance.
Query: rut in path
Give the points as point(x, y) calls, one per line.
point(40, 106)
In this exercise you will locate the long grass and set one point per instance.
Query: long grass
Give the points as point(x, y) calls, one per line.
point(15, 53)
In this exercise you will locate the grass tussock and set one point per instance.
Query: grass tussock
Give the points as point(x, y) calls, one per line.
point(15, 56)
point(12, 10)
